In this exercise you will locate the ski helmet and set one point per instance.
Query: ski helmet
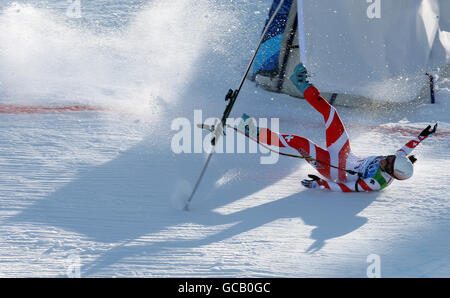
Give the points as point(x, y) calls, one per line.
point(403, 168)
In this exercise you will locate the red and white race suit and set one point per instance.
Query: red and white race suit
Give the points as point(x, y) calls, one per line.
point(337, 153)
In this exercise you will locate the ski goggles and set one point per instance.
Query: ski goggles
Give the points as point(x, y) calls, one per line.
point(389, 167)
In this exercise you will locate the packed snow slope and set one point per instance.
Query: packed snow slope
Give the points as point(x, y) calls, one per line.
point(99, 189)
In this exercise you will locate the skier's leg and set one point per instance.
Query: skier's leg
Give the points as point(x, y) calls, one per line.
point(304, 146)
point(337, 139)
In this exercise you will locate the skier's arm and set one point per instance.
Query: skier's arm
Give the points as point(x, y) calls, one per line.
point(411, 145)
point(360, 185)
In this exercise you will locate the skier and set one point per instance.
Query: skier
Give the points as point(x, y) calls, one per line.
point(337, 161)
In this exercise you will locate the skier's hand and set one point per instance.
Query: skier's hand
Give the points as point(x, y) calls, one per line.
point(428, 131)
point(311, 183)
point(299, 78)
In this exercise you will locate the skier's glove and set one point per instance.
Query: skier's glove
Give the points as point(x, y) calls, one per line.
point(428, 131)
point(299, 78)
point(311, 183)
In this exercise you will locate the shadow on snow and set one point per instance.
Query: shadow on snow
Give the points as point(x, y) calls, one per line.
point(128, 198)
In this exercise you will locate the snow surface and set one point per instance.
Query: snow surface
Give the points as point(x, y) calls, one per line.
point(102, 185)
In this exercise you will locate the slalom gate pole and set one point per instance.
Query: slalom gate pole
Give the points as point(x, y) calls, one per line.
point(231, 97)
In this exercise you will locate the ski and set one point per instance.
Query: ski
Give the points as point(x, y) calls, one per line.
point(231, 98)
point(246, 133)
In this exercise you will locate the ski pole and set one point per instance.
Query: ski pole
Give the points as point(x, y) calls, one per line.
point(231, 98)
